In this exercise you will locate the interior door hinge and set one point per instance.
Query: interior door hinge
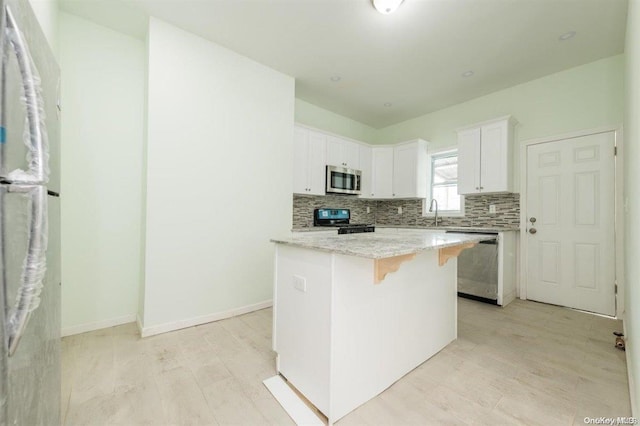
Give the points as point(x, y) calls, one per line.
point(616, 288)
point(615, 151)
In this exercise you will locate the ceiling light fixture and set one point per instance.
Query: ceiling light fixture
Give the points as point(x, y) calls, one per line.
point(468, 73)
point(386, 6)
point(388, 104)
point(567, 36)
point(335, 78)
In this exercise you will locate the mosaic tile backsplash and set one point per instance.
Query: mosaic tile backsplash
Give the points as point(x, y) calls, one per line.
point(385, 212)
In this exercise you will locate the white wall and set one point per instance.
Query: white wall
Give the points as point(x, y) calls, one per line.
point(47, 13)
point(632, 201)
point(102, 135)
point(219, 184)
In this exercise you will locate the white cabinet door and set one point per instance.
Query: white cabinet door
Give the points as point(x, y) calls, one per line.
point(351, 155)
point(316, 163)
point(335, 155)
point(494, 165)
point(366, 181)
point(469, 161)
point(484, 157)
point(382, 172)
point(343, 153)
point(300, 155)
point(410, 170)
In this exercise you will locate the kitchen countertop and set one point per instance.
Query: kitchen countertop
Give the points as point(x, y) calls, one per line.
point(455, 228)
point(430, 228)
point(380, 245)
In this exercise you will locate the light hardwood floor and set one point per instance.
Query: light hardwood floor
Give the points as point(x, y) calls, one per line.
point(528, 363)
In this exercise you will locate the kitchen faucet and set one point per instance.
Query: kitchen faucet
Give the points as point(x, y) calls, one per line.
point(433, 200)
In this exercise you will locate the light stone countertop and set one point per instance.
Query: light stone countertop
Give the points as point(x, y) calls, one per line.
point(379, 245)
point(417, 228)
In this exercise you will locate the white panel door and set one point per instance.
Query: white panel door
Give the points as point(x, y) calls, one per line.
point(570, 214)
point(469, 161)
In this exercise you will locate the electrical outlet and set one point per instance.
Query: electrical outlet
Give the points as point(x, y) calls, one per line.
point(368, 209)
point(492, 208)
point(399, 210)
point(300, 283)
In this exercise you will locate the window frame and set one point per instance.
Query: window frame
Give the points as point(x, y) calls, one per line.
point(447, 152)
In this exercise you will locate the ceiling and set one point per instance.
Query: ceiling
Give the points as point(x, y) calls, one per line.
point(412, 60)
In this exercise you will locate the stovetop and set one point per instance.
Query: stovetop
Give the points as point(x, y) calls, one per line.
point(356, 228)
point(339, 218)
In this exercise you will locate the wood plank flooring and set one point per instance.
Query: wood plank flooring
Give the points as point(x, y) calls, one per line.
point(528, 363)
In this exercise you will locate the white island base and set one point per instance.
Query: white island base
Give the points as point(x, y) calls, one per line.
point(341, 339)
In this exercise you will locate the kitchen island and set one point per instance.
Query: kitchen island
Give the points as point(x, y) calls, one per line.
point(354, 313)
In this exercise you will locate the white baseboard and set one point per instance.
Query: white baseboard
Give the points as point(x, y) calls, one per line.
point(632, 387)
point(139, 323)
point(190, 322)
point(97, 325)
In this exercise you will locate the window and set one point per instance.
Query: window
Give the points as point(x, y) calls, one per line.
point(444, 183)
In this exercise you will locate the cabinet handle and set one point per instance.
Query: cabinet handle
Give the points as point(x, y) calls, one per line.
point(482, 187)
point(477, 187)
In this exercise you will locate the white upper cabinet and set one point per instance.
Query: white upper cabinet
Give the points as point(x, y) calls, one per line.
point(399, 171)
point(341, 152)
point(309, 161)
point(366, 166)
point(388, 171)
point(410, 165)
point(382, 170)
point(484, 157)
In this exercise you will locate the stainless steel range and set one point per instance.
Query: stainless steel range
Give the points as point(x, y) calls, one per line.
point(341, 219)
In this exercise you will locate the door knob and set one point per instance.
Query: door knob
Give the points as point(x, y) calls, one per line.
point(532, 231)
point(532, 220)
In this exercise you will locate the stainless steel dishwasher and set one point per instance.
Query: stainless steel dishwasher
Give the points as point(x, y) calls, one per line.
point(478, 270)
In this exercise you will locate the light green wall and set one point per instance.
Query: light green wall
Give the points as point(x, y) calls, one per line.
point(47, 13)
point(102, 130)
point(632, 200)
point(323, 119)
point(218, 179)
point(584, 97)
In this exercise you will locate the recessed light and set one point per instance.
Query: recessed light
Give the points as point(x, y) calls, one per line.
point(567, 36)
point(388, 104)
point(335, 78)
point(468, 73)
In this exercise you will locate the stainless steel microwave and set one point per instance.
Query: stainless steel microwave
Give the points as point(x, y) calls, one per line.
point(341, 180)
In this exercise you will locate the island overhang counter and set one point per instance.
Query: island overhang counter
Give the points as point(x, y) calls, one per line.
point(354, 313)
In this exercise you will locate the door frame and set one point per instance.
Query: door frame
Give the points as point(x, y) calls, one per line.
point(619, 206)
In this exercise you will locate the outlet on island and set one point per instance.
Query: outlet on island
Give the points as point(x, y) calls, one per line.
point(492, 208)
point(399, 210)
point(368, 209)
point(300, 283)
